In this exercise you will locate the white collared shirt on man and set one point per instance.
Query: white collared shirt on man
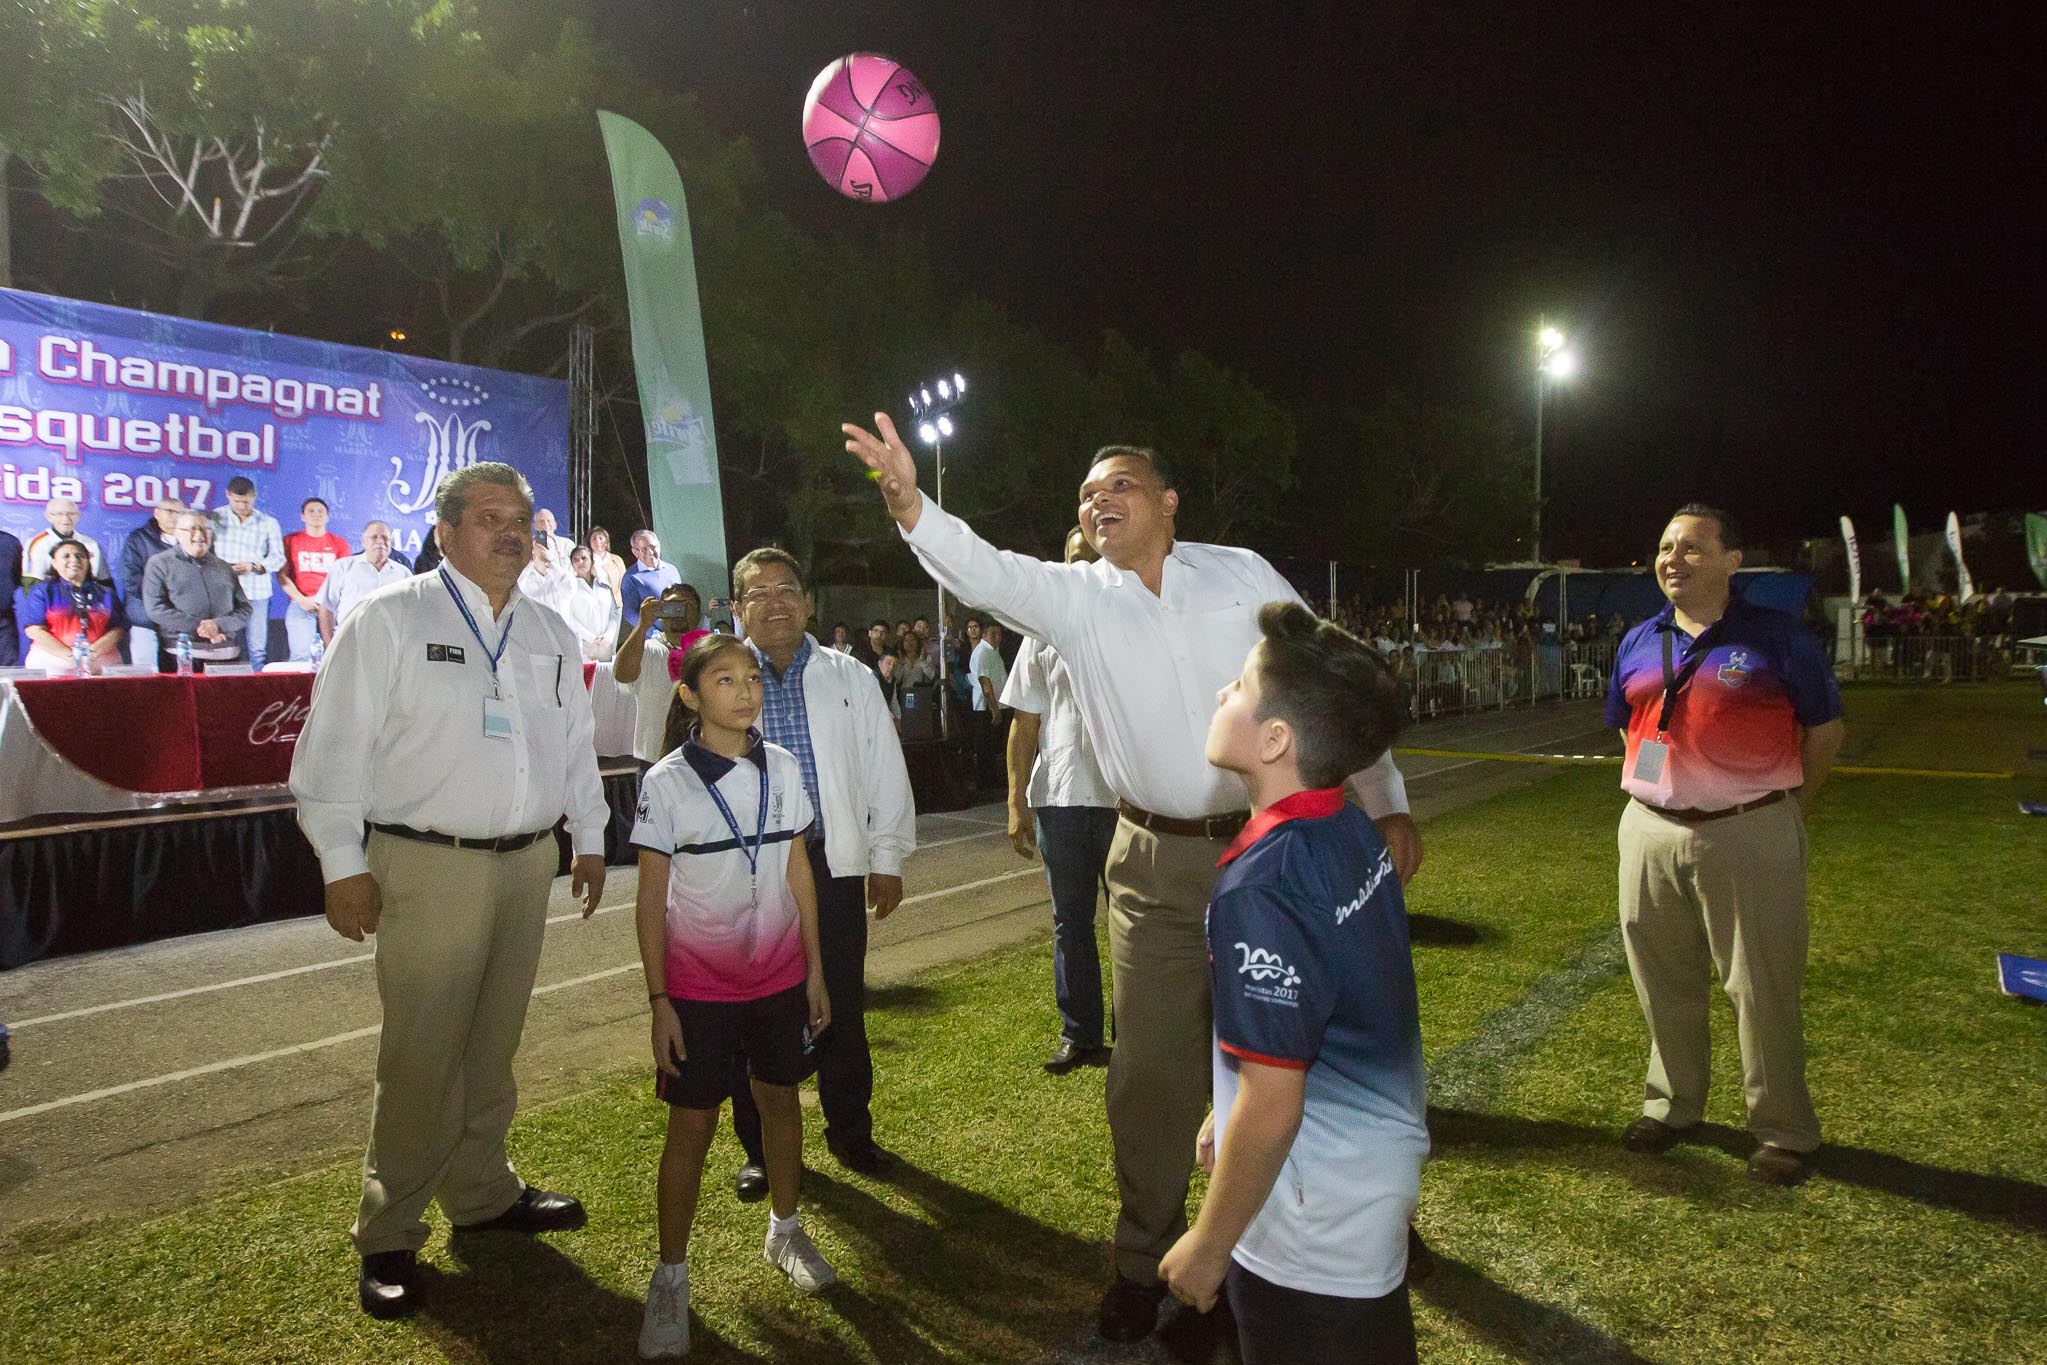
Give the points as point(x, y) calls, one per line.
point(396, 734)
point(351, 578)
point(1146, 667)
point(1065, 773)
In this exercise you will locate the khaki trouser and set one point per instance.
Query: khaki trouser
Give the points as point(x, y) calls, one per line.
point(457, 949)
point(1158, 1089)
point(1725, 895)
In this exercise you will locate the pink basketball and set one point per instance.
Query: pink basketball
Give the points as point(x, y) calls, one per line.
point(871, 128)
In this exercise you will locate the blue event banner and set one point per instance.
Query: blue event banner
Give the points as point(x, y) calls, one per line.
point(117, 409)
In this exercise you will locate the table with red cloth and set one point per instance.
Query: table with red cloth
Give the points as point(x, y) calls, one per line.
point(138, 806)
point(143, 740)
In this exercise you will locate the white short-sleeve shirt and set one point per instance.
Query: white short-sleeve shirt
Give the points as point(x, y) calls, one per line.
point(1065, 773)
point(732, 929)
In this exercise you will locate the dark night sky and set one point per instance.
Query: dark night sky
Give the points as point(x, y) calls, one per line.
point(1796, 252)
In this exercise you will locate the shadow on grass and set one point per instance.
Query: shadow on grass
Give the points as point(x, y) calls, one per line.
point(970, 1277)
point(1989, 1198)
point(1433, 931)
point(907, 997)
point(518, 1299)
point(1516, 1324)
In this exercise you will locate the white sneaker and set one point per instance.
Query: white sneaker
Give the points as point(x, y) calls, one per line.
point(796, 1256)
point(664, 1331)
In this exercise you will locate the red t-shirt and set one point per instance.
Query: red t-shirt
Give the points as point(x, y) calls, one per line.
point(307, 558)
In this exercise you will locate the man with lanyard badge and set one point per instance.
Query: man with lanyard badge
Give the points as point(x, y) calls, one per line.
point(451, 720)
point(1732, 720)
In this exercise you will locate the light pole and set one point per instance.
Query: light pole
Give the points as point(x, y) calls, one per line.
point(1553, 361)
point(933, 417)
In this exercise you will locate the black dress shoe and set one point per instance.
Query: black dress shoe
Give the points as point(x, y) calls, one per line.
point(751, 1184)
point(389, 1287)
point(1651, 1136)
point(535, 1210)
point(1130, 1310)
point(865, 1157)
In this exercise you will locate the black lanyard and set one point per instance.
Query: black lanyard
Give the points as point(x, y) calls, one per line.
point(1675, 679)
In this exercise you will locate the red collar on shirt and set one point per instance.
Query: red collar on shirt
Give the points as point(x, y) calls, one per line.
point(1302, 805)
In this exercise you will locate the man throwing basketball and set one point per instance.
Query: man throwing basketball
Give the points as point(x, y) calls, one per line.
point(1150, 632)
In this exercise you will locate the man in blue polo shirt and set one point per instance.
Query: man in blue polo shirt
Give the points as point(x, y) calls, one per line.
point(1318, 1134)
point(1732, 720)
point(649, 576)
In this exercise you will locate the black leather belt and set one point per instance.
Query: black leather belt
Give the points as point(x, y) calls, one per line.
point(1695, 817)
point(1226, 826)
point(510, 843)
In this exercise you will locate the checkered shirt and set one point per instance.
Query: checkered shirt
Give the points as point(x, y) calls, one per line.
point(258, 540)
point(785, 720)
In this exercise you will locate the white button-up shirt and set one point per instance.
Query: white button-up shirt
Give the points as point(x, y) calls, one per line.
point(351, 578)
point(1065, 773)
point(396, 730)
point(1146, 668)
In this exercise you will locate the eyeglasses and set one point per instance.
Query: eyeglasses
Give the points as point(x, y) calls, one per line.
point(775, 592)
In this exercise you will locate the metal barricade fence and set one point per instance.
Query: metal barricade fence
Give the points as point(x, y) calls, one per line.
point(1928, 659)
point(1450, 682)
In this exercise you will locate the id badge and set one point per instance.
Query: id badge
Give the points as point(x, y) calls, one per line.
point(497, 718)
point(1649, 757)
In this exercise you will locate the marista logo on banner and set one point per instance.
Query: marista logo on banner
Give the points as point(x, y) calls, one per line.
point(653, 218)
point(118, 410)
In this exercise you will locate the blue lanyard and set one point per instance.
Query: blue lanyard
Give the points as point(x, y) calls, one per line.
point(493, 655)
point(760, 834)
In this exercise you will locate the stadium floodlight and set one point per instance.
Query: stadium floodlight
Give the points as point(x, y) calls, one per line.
point(944, 424)
point(945, 389)
point(934, 428)
point(1554, 362)
point(927, 397)
point(959, 382)
point(916, 405)
point(928, 434)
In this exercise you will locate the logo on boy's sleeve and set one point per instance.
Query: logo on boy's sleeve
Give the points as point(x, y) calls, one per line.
point(1267, 976)
point(644, 809)
point(444, 654)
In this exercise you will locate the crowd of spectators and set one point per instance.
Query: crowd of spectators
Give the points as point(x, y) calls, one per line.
point(1935, 636)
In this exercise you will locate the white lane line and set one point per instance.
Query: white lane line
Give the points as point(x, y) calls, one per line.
point(1470, 762)
point(189, 1073)
point(962, 839)
point(239, 981)
point(254, 1058)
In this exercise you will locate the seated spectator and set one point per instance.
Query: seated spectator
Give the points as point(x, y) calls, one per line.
point(138, 547)
point(67, 603)
point(545, 577)
point(61, 516)
point(842, 638)
point(353, 577)
point(10, 634)
point(608, 567)
point(192, 591)
point(586, 604)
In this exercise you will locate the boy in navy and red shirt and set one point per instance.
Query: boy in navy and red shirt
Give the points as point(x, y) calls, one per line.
point(1319, 1131)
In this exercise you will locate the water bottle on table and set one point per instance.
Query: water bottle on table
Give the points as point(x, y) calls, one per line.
point(319, 651)
point(184, 654)
point(81, 655)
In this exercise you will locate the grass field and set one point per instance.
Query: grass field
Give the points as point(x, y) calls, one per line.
point(1923, 1237)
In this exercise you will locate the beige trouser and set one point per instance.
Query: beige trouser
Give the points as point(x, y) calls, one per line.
point(1159, 1073)
point(1725, 895)
point(457, 949)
